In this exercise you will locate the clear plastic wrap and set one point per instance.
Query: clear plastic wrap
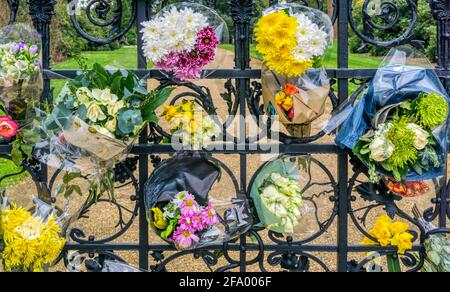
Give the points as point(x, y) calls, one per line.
point(30, 240)
point(190, 126)
point(94, 122)
point(181, 209)
point(183, 38)
point(292, 40)
point(21, 81)
point(399, 127)
point(277, 195)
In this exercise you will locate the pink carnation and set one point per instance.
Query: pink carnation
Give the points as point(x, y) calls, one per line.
point(185, 238)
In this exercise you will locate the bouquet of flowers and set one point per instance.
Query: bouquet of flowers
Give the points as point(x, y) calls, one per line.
point(20, 72)
point(398, 129)
point(29, 242)
point(184, 222)
point(292, 40)
point(191, 125)
point(404, 139)
point(387, 232)
point(183, 38)
point(277, 195)
point(437, 247)
point(96, 118)
point(184, 213)
point(282, 198)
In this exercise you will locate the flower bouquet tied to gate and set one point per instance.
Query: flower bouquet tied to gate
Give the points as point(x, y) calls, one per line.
point(292, 40)
point(398, 128)
point(96, 118)
point(20, 72)
point(277, 195)
point(185, 213)
point(190, 125)
point(183, 38)
point(29, 242)
point(184, 222)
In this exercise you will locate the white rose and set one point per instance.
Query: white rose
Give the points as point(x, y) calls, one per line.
point(113, 109)
point(381, 149)
point(104, 97)
point(421, 139)
point(111, 125)
point(95, 113)
point(84, 95)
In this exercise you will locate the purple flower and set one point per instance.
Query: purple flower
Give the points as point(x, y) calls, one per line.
point(192, 221)
point(22, 45)
point(34, 50)
point(15, 48)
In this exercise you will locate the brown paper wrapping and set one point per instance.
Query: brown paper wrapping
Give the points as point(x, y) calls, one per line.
point(104, 147)
point(309, 103)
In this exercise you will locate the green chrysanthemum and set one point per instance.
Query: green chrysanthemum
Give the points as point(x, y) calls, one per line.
point(431, 110)
point(403, 139)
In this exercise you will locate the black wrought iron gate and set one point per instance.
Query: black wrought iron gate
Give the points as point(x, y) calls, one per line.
point(243, 87)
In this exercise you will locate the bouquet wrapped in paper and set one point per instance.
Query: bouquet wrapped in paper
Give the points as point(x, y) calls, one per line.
point(30, 241)
point(21, 80)
point(96, 118)
point(292, 40)
point(182, 40)
point(399, 127)
point(181, 209)
point(277, 195)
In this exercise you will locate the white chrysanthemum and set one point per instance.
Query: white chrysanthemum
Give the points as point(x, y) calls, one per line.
point(174, 31)
point(312, 40)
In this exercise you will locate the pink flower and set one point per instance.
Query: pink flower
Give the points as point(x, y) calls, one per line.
point(192, 222)
point(8, 128)
point(207, 39)
point(184, 238)
point(189, 205)
point(209, 216)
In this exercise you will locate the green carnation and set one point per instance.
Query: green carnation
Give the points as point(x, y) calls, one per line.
point(431, 110)
point(403, 139)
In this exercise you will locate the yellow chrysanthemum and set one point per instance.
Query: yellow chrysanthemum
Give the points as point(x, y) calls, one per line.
point(30, 243)
point(275, 35)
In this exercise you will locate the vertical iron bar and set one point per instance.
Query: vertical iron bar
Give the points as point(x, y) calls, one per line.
point(41, 13)
point(441, 12)
point(143, 159)
point(343, 10)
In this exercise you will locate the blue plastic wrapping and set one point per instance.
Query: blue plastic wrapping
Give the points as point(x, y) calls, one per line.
point(395, 82)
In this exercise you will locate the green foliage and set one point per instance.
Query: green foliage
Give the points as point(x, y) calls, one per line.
point(10, 174)
point(425, 30)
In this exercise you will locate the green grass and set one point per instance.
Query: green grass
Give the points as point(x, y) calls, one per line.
point(126, 58)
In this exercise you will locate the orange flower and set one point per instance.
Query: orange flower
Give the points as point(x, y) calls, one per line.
point(290, 89)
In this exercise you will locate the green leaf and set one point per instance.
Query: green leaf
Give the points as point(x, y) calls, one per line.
point(116, 86)
point(27, 149)
point(16, 153)
point(70, 176)
point(155, 100)
point(100, 71)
